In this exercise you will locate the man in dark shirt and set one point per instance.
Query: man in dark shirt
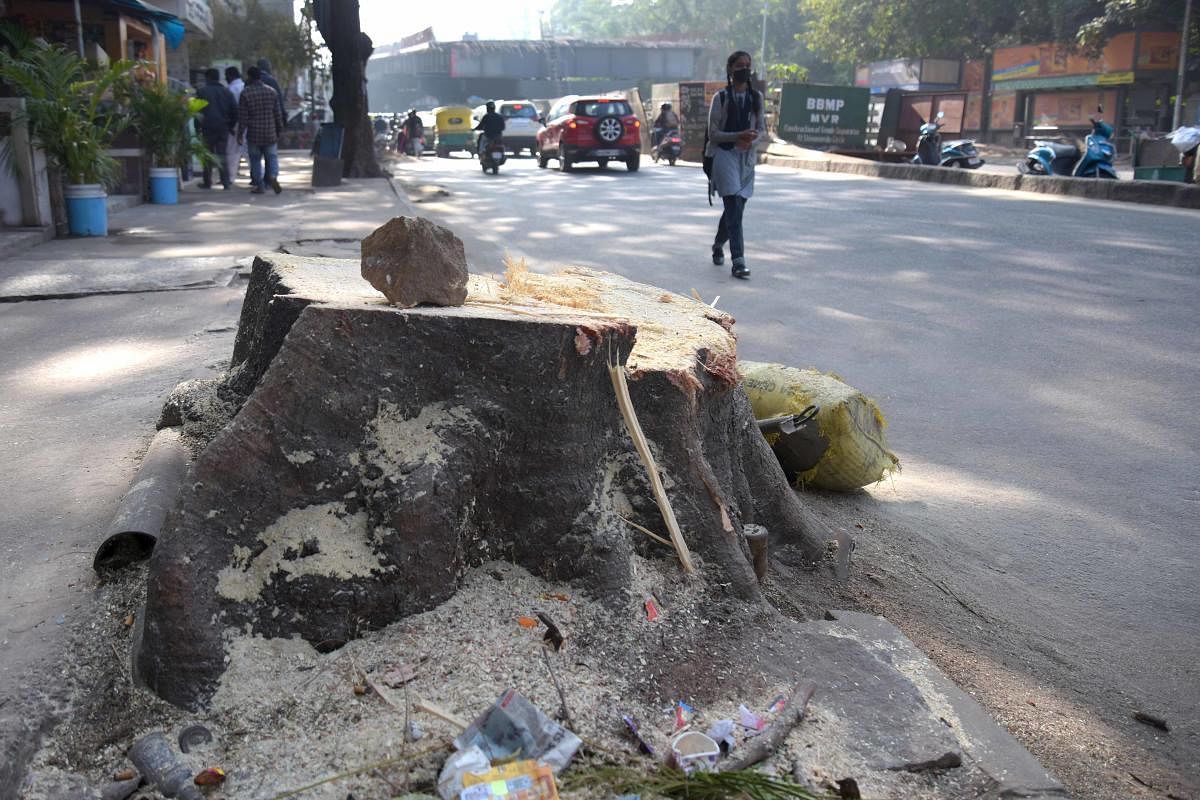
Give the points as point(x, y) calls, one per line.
point(217, 121)
point(264, 66)
point(492, 125)
point(260, 122)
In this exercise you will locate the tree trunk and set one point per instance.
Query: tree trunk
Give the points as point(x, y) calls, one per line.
point(338, 22)
point(382, 452)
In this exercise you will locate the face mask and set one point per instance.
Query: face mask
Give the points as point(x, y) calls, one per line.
point(741, 75)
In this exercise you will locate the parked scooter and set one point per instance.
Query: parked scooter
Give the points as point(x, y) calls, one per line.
point(932, 152)
point(669, 146)
point(1055, 158)
point(491, 155)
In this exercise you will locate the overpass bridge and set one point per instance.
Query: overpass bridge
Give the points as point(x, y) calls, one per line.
point(442, 73)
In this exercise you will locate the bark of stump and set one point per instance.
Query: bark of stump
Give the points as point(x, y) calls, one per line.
point(382, 451)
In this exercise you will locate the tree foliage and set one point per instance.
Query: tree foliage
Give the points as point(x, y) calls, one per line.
point(1117, 15)
point(245, 31)
point(824, 34)
point(72, 109)
point(858, 31)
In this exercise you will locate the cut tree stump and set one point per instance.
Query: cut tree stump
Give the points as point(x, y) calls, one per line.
point(379, 452)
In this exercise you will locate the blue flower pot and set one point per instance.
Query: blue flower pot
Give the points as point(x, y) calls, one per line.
point(164, 185)
point(87, 209)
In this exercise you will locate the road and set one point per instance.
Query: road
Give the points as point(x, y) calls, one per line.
point(1036, 359)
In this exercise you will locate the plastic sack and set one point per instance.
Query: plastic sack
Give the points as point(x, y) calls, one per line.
point(1185, 138)
point(852, 423)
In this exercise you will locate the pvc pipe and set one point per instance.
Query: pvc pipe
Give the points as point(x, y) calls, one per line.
point(141, 512)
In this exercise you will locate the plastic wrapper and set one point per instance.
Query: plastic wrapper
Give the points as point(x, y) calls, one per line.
point(520, 780)
point(514, 728)
point(450, 781)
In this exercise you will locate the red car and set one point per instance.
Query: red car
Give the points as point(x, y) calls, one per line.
point(601, 129)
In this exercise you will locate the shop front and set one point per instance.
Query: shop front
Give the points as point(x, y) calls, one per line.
point(1048, 90)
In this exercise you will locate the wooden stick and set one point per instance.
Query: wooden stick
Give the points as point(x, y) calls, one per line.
point(562, 696)
point(441, 713)
point(625, 403)
point(769, 741)
point(646, 531)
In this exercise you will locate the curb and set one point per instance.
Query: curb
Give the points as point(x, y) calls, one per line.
point(1160, 193)
point(1013, 769)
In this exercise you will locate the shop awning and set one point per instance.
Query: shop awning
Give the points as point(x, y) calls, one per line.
point(169, 24)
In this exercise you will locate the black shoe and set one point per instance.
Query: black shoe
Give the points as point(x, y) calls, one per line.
point(740, 270)
point(274, 184)
point(203, 185)
point(718, 255)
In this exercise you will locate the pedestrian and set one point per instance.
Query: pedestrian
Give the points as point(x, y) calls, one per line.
point(735, 127)
point(218, 121)
point(260, 124)
point(414, 133)
point(234, 152)
point(268, 78)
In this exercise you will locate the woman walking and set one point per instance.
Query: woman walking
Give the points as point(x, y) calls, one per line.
point(735, 124)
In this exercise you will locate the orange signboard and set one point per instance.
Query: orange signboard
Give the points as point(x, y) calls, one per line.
point(1070, 109)
point(1004, 110)
point(972, 76)
point(1158, 51)
point(1051, 59)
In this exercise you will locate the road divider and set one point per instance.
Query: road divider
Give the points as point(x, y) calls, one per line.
point(1161, 193)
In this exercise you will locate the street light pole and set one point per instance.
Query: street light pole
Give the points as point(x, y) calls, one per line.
point(1183, 51)
point(762, 53)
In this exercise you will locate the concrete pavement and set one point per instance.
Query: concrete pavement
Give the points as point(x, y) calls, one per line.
point(97, 332)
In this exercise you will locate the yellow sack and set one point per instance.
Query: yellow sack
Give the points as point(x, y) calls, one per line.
point(850, 421)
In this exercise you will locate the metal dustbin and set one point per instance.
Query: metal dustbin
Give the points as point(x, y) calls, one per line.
point(1156, 159)
point(327, 155)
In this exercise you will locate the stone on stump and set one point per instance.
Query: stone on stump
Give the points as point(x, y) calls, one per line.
point(413, 261)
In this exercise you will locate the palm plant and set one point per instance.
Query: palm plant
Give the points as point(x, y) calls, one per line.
point(161, 117)
point(71, 109)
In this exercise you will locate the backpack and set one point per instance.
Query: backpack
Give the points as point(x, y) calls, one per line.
point(706, 160)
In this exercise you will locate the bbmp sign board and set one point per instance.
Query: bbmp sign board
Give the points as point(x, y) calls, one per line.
point(824, 117)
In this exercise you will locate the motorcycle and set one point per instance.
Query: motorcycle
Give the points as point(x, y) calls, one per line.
point(1055, 158)
point(669, 146)
point(491, 155)
point(932, 152)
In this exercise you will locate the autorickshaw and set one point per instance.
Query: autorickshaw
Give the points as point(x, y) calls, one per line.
point(453, 130)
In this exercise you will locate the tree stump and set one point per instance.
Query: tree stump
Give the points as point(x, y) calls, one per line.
point(380, 452)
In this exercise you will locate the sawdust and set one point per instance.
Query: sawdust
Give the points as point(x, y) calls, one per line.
point(286, 716)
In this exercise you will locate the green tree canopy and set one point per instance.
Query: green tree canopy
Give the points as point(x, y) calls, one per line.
point(245, 31)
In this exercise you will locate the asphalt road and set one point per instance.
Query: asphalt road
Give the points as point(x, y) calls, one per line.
point(1036, 359)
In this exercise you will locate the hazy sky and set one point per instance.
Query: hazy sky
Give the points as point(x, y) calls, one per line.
point(387, 21)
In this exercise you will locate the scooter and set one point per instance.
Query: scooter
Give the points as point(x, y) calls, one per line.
point(492, 155)
point(669, 146)
point(1055, 158)
point(957, 153)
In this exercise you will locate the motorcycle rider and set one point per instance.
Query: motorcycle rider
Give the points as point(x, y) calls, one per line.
point(413, 133)
point(665, 121)
point(492, 125)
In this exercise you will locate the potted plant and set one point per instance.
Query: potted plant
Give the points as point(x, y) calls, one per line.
point(73, 114)
point(162, 118)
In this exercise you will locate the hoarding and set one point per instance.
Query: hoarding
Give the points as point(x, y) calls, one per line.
point(824, 117)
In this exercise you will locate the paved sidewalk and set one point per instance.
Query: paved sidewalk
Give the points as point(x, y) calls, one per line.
point(97, 332)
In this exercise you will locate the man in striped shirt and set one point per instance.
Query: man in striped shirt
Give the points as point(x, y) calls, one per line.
point(260, 124)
